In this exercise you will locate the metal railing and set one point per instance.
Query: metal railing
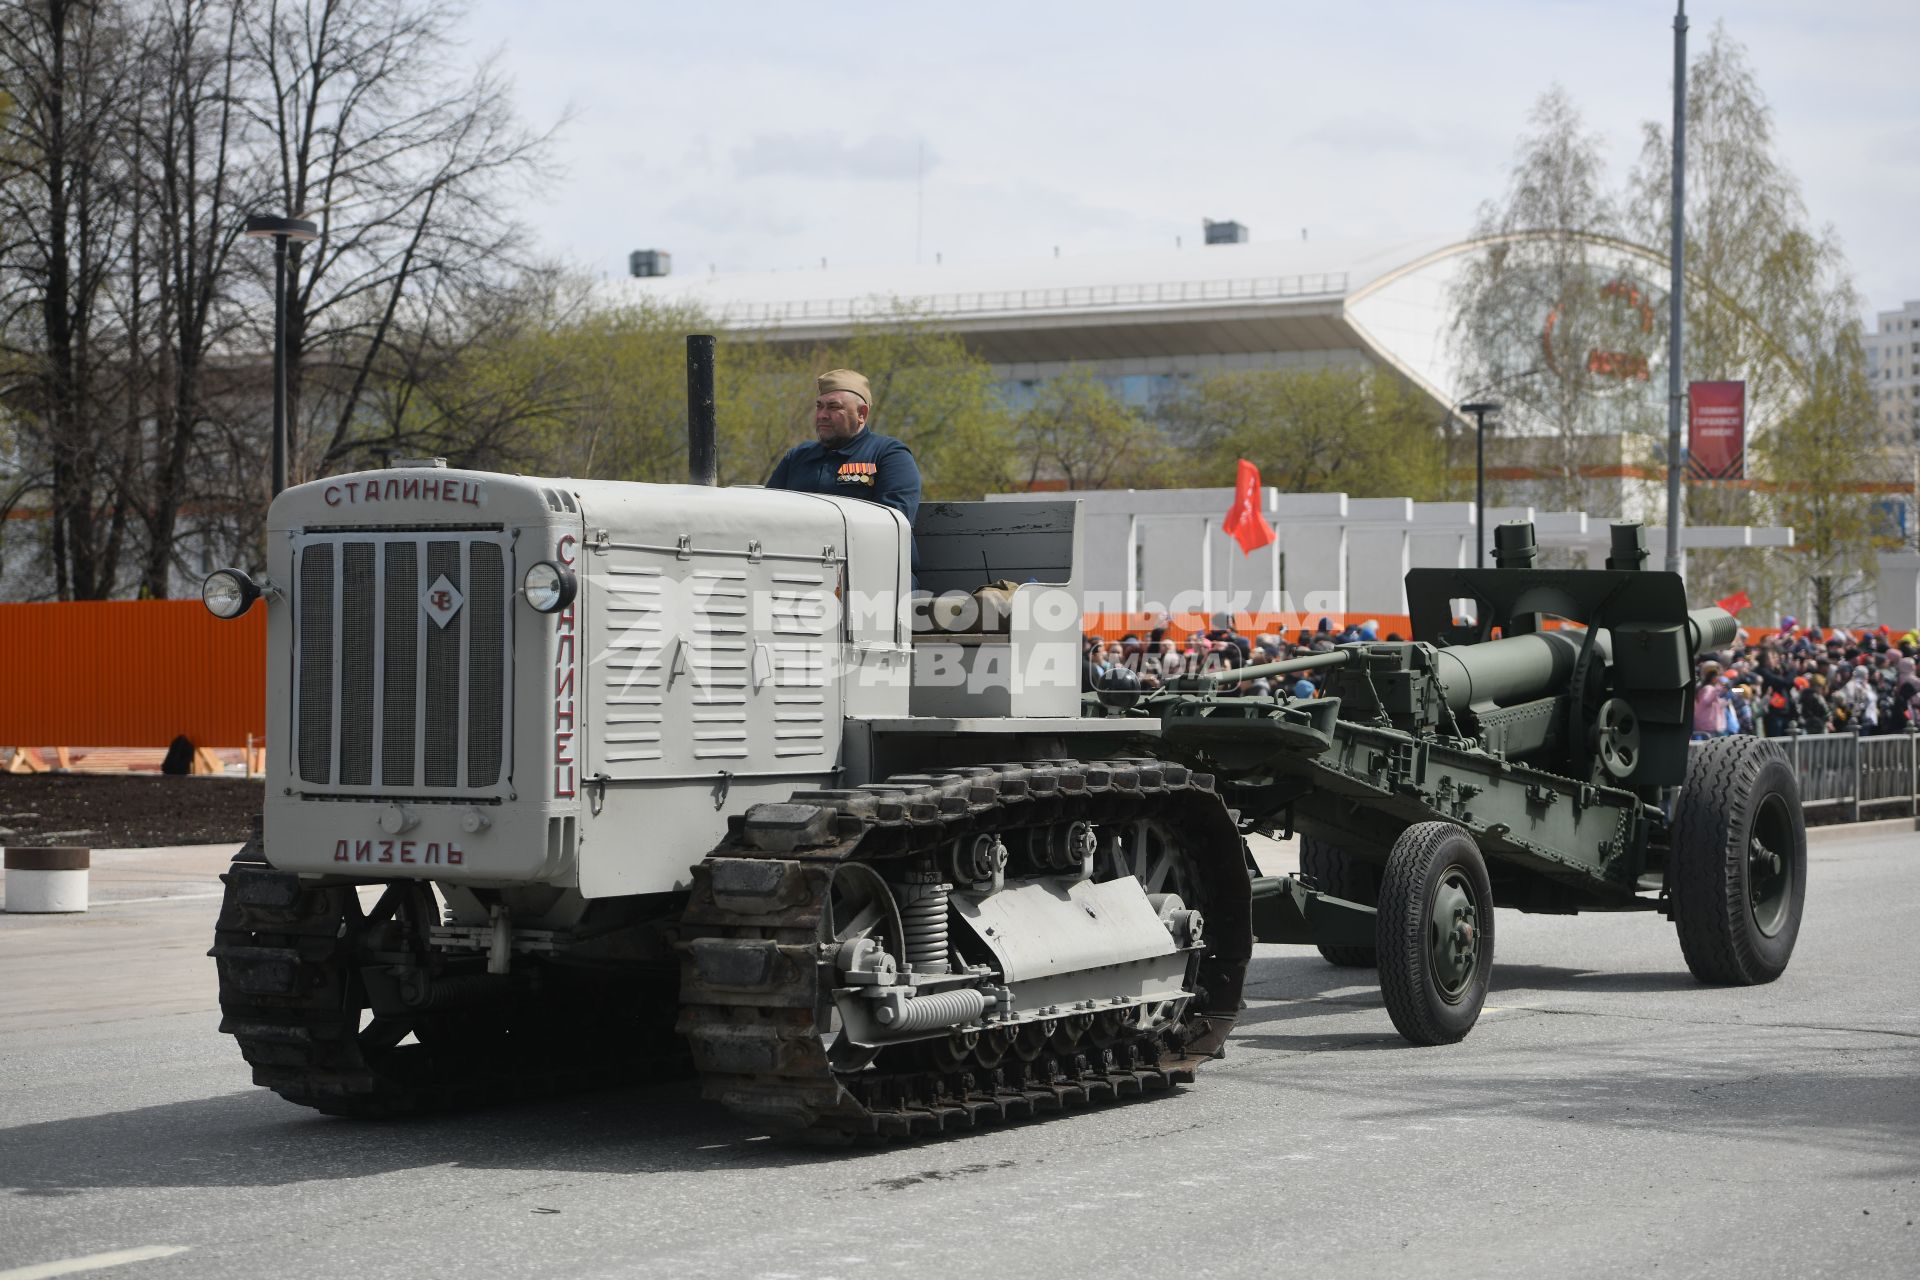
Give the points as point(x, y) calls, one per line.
point(1847, 772)
point(1080, 297)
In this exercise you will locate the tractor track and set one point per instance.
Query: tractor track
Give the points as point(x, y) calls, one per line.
point(290, 956)
point(756, 980)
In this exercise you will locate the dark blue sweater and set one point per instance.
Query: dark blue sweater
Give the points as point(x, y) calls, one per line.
point(877, 468)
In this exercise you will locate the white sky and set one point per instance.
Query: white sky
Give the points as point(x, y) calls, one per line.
point(757, 136)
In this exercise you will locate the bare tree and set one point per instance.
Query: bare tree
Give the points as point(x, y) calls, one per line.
point(1544, 321)
point(62, 239)
point(190, 131)
point(406, 165)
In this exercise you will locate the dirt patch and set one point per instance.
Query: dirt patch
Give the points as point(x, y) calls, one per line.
point(115, 811)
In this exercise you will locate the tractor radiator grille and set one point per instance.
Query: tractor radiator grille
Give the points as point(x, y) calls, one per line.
point(402, 662)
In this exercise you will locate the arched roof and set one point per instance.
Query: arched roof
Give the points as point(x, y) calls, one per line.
point(1387, 300)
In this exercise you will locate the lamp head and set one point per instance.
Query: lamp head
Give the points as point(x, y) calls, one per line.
point(266, 226)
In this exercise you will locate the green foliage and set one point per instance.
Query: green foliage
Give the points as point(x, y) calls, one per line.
point(1363, 432)
point(1079, 432)
point(601, 391)
point(932, 392)
point(1820, 457)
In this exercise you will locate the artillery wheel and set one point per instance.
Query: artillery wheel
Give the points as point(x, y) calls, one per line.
point(1738, 868)
point(1333, 871)
point(1435, 933)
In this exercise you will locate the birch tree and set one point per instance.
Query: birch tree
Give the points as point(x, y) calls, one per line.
point(1770, 302)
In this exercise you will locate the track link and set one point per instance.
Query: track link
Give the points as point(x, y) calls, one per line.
point(291, 993)
point(756, 983)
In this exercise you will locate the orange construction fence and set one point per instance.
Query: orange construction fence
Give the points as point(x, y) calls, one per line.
point(131, 673)
point(138, 673)
point(1112, 626)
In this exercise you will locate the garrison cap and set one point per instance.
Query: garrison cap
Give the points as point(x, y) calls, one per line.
point(846, 380)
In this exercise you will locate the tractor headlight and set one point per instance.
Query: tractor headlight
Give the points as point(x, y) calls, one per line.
point(228, 593)
point(548, 587)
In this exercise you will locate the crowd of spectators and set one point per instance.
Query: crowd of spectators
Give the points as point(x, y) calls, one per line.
point(1804, 680)
point(1799, 680)
point(1157, 657)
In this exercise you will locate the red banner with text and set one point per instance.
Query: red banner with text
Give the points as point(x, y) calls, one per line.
point(1716, 431)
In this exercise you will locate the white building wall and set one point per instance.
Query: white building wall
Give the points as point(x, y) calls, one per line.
point(1893, 363)
point(1164, 550)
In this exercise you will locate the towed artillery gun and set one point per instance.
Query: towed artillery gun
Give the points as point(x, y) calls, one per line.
point(1443, 777)
point(574, 783)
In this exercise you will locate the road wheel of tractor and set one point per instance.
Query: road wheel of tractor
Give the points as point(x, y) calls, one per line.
point(1435, 933)
point(1333, 871)
point(1737, 871)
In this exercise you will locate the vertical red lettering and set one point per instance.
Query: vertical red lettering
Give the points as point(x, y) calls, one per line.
point(340, 851)
point(565, 775)
point(331, 494)
point(454, 855)
point(386, 851)
point(363, 851)
point(406, 851)
point(433, 852)
point(429, 490)
point(411, 489)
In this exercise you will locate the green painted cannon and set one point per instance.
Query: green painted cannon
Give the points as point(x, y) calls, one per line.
point(1537, 757)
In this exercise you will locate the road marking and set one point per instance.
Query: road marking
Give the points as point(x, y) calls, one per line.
point(165, 897)
point(92, 1262)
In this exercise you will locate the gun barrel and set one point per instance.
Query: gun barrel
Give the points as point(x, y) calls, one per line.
point(1287, 667)
point(1711, 628)
point(1499, 672)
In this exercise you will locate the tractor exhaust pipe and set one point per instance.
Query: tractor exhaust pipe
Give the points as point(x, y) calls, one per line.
point(703, 463)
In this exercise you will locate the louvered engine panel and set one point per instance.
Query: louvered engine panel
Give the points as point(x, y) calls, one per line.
point(709, 664)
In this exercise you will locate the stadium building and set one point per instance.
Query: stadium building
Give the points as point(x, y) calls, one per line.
point(1146, 322)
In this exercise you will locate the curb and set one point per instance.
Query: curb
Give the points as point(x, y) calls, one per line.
point(1877, 826)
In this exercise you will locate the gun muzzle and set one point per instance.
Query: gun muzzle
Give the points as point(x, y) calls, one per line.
point(1290, 666)
point(1711, 628)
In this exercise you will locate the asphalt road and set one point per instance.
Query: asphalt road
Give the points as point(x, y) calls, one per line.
point(1607, 1117)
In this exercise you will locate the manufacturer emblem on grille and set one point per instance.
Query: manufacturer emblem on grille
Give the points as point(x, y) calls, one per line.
point(442, 601)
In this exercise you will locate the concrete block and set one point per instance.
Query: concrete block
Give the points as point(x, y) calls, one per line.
point(47, 879)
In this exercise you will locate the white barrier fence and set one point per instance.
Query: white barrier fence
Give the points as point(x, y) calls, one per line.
point(1847, 772)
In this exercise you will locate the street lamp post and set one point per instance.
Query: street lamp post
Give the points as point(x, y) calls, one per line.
point(1480, 409)
point(263, 226)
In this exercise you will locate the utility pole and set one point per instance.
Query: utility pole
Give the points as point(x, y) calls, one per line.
point(1676, 388)
point(1480, 409)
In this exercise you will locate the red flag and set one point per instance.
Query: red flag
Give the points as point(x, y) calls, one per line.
point(1244, 523)
point(1736, 602)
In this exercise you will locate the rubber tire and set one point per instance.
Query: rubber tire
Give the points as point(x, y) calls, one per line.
point(1333, 871)
point(1421, 859)
point(1728, 783)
